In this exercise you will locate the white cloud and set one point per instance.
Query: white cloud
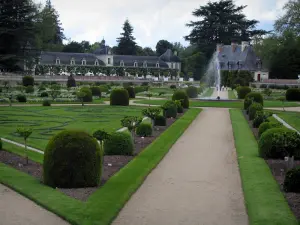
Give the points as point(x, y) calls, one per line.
point(152, 20)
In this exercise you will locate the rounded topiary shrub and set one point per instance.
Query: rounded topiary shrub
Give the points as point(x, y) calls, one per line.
point(277, 143)
point(181, 96)
point(104, 88)
point(243, 91)
point(192, 92)
point(259, 118)
point(131, 92)
point(160, 121)
point(254, 107)
point(293, 94)
point(253, 97)
point(88, 94)
point(292, 180)
point(119, 97)
point(29, 89)
point(173, 86)
point(119, 143)
point(28, 81)
point(46, 103)
point(44, 94)
point(170, 109)
point(144, 130)
point(266, 126)
point(72, 159)
point(96, 91)
point(21, 98)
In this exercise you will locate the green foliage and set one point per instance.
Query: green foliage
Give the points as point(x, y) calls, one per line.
point(131, 122)
point(266, 126)
point(119, 143)
point(54, 91)
point(126, 43)
point(192, 92)
point(119, 97)
point(28, 81)
point(253, 97)
point(151, 112)
point(104, 88)
point(72, 159)
point(71, 82)
point(29, 89)
point(279, 142)
point(101, 135)
point(96, 91)
point(254, 107)
point(243, 91)
point(160, 121)
point(173, 86)
point(260, 117)
point(182, 96)
point(144, 130)
point(139, 89)
point(21, 98)
point(162, 46)
point(131, 92)
point(293, 94)
point(88, 94)
point(46, 103)
point(44, 94)
point(1, 144)
point(267, 91)
point(170, 109)
point(179, 106)
point(292, 180)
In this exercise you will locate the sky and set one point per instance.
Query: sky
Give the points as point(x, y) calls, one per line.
point(152, 20)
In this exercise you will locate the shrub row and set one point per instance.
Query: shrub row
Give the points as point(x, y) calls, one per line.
point(293, 94)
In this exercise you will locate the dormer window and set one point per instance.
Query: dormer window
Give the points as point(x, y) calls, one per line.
point(157, 65)
point(135, 64)
point(122, 63)
point(83, 62)
point(96, 62)
point(72, 61)
point(145, 64)
point(57, 61)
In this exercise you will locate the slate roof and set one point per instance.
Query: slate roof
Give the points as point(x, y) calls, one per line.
point(238, 59)
point(65, 58)
point(168, 56)
point(102, 50)
point(130, 59)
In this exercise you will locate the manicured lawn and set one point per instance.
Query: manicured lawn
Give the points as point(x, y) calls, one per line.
point(265, 203)
point(208, 93)
point(292, 118)
point(222, 104)
point(47, 121)
point(102, 207)
point(231, 94)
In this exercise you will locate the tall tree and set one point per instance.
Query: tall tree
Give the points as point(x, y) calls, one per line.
point(220, 22)
point(127, 45)
point(17, 30)
point(162, 46)
point(290, 21)
point(73, 46)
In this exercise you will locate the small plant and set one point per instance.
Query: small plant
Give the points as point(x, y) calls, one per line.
point(46, 103)
point(28, 81)
point(149, 95)
point(101, 136)
point(282, 99)
point(21, 98)
point(179, 106)
point(80, 95)
point(182, 96)
point(24, 133)
point(144, 130)
point(292, 180)
point(160, 121)
point(152, 113)
point(267, 91)
point(170, 109)
point(253, 109)
point(88, 94)
point(54, 91)
point(260, 117)
point(119, 143)
point(131, 122)
point(29, 89)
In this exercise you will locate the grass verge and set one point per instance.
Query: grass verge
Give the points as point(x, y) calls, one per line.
point(292, 118)
point(102, 207)
point(265, 203)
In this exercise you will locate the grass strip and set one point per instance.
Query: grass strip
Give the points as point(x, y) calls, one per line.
point(103, 206)
point(292, 118)
point(265, 203)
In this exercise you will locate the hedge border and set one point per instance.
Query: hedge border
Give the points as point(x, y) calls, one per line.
point(102, 206)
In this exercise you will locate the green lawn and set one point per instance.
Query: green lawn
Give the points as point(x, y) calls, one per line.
point(222, 104)
point(265, 203)
point(47, 121)
point(292, 118)
point(102, 206)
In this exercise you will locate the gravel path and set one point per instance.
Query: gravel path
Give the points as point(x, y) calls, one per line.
point(18, 210)
point(197, 183)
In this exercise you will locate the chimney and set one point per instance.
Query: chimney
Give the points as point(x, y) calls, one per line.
point(245, 44)
point(219, 47)
point(233, 46)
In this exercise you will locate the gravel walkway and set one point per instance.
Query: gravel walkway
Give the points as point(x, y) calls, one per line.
point(18, 210)
point(197, 183)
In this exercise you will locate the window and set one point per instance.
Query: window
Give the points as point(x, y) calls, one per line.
point(122, 63)
point(145, 64)
point(72, 61)
point(83, 62)
point(135, 64)
point(157, 65)
point(108, 61)
point(57, 61)
point(96, 62)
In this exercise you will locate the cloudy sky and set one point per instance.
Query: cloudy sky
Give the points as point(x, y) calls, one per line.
point(152, 20)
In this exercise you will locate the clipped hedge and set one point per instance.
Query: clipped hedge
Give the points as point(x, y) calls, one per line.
point(253, 97)
point(192, 92)
point(29, 89)
point(276, 143)
point(170, 109)
point(88, 94)
point(119, 143)
point(104, 88)
point(254, 107)
point(293, 94)
point(72, 159)
point(96, 91)
point(181, 96)
point(292, 180)
point(119, 97)
point(28, 81)
point(1, 144)
point(44, 94)
point(160, 121)
point(243, 91)
point(21, 98)
point(144, 130)
point(260, 117)
point(46, 103)
point(266, 126)
point(131, 92)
